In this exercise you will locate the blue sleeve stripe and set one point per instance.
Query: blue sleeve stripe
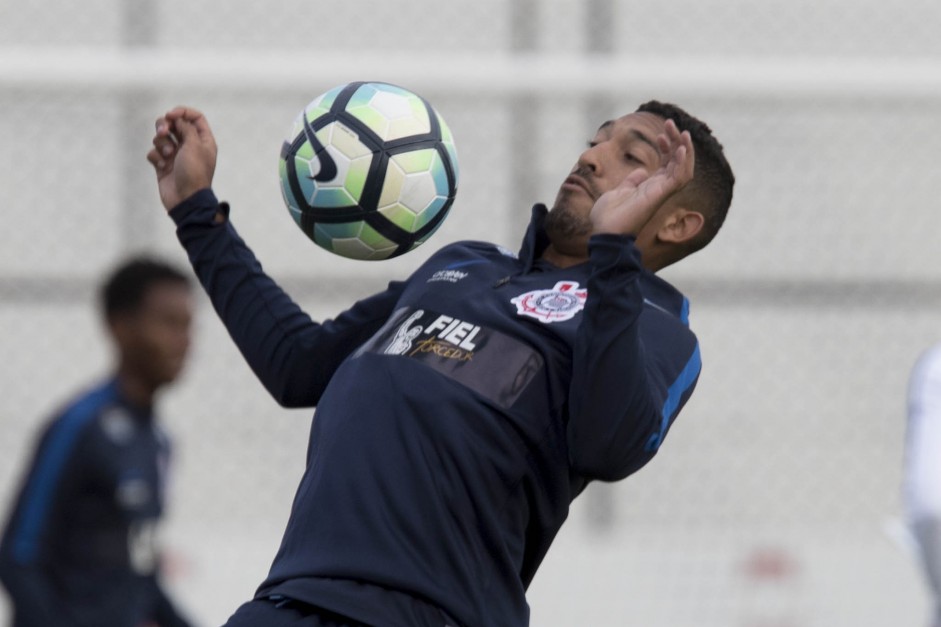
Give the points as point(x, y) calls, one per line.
point(684, 313)
point(41, 489)
point(675, 394)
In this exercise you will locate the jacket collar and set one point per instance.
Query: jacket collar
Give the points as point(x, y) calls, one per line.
point(535, 241)
point(657, 292)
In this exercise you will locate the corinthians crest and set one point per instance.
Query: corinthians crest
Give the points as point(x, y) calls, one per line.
point(560, 303)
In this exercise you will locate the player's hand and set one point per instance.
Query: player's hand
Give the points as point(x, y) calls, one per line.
point(629, 206)
point(183, 156)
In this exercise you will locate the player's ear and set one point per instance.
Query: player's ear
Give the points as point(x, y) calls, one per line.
point(682, 225)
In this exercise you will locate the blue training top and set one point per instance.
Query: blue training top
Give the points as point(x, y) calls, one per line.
point(458, 413)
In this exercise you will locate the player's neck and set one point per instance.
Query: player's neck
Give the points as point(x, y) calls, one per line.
point(561, 259)
point(136, 389)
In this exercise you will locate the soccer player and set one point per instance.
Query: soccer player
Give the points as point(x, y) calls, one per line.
point(80, 547)
point(922, 472)
point(460, 411)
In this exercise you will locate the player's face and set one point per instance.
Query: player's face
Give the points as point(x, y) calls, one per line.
point(619, 148)
point(158, 334)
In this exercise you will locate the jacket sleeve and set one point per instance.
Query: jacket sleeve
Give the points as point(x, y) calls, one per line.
point(631, 376)
point(25, 547)
point(293, 356)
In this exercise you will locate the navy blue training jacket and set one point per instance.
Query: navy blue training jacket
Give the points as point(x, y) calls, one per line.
point(458, 414)
point(79, 548)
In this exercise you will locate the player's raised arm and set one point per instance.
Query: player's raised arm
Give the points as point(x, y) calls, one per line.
point(293, 356)
point(649, 204)
point(183, 156)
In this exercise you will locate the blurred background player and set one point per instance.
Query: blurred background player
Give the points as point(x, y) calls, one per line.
point(80, 548)
point(922, 473)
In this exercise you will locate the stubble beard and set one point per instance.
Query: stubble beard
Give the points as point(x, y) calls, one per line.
point(565, 224)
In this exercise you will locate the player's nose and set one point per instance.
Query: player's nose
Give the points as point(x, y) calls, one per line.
point(591, 159)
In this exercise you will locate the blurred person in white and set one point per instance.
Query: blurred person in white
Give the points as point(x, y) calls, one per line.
point(80, 548)
point(922, 471)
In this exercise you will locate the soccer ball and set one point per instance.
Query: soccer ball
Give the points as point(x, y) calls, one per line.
point(369, 170)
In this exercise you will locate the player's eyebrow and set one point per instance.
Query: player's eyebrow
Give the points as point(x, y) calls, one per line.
point(640, 136)
point(604, 127)
point(634, 133)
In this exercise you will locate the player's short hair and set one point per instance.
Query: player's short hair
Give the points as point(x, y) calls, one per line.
point(126, 287)
point(710, 190)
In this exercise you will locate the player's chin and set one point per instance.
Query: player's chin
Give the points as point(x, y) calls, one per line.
point(566, 224)
point(563, 196)
point(169, 371)
point(571, 208)
point(573, 198)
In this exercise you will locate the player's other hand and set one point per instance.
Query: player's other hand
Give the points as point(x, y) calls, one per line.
point(183, 156)
point(628, 207)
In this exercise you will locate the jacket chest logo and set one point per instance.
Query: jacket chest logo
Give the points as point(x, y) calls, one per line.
point(445, 336)
point(560, 303)
point(117, 425)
